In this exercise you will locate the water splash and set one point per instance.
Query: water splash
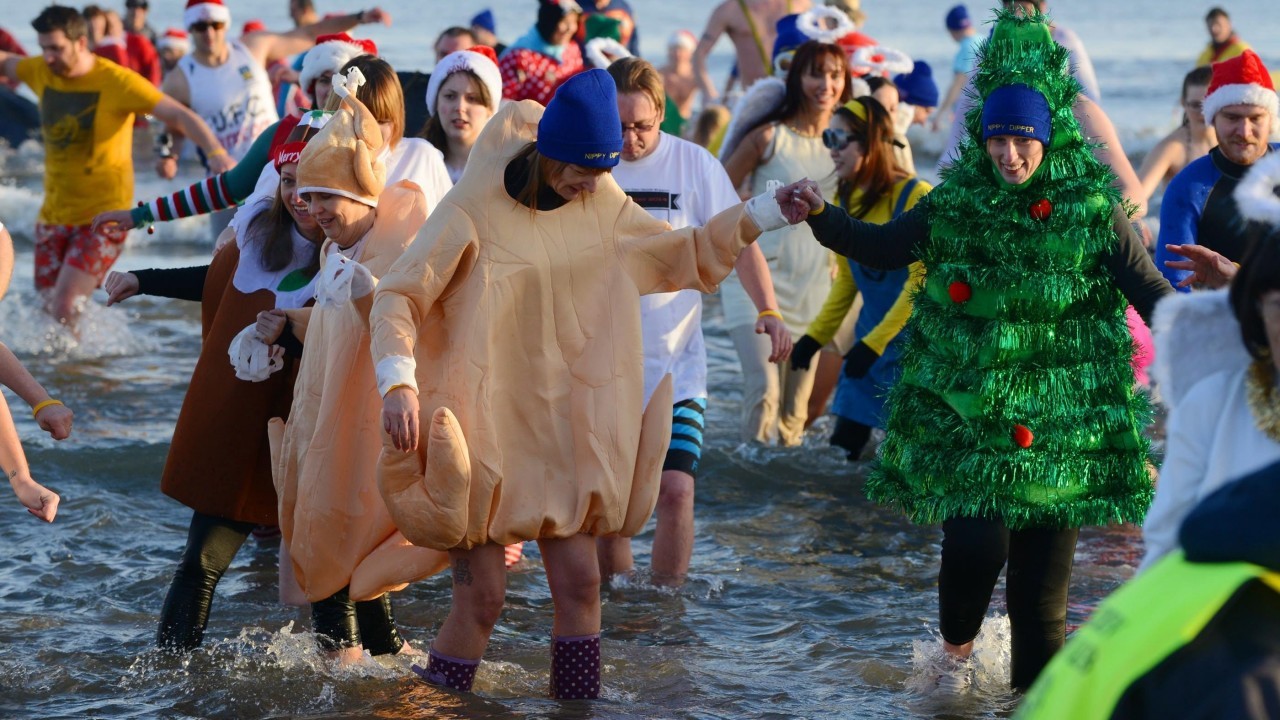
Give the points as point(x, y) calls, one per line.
point(990, 659)
point(102, 332)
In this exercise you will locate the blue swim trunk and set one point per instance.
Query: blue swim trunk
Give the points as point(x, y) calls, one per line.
point(686, 436)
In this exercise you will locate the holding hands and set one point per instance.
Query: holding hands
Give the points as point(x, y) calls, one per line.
point(799, 199)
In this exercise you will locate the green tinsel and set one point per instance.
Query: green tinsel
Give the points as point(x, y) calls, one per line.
point(1041, 342)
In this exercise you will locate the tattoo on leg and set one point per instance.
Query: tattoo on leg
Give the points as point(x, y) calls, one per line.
point(462, 573)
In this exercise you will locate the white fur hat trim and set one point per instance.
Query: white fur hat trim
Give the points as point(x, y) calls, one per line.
point(1256, 193)
point(480, 65)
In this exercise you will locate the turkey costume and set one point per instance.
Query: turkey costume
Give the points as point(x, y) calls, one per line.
point(520, 331)
point(338, 531)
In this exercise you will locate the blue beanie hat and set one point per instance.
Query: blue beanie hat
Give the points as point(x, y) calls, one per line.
point(485, 20)
point(1017, 110)
point(958, 18)
point(917, 87)
point(581, 124)
point(789, 36)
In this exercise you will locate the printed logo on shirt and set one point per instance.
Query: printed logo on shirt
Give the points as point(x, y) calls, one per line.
point(66, 118)
point(655, 199)
point(246, 73)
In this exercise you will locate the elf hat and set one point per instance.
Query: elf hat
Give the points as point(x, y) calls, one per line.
point(205, 11)
point(1242, 80)
point(581, 125)
point(330, 53)
point(176, 39)
point(345, 157)
point(479, 60)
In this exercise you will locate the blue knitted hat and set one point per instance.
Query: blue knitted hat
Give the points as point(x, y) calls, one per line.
point(958, 18)
point(581, 124)
point(485, 20)
point(917, 87)
point(788, 36)
point(1017, 110)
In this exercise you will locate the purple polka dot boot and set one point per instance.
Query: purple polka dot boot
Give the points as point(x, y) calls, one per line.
point(575, 667)
point(451, 672)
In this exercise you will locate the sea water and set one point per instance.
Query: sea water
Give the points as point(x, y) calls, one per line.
point(804, 600)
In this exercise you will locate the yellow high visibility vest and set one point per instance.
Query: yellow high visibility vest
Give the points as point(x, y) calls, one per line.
point(1134, 630)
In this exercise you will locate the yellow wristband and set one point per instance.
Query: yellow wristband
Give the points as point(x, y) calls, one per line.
point(42, 405)
point(771, 313)
point(397, 387)
point(819, 210)
point(216, 153)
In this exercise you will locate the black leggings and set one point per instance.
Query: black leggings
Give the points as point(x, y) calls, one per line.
point(340, 623)
point(212, 543)
point(973, 552)
point(850, 436)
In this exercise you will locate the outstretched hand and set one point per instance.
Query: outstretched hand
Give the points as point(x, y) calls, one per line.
point(779, 337)
point(113, 219)
point(1207, 267)
point(120, 286)
point(400, 418)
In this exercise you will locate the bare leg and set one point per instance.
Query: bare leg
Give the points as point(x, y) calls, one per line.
point(69, 293)
point(673, 539)
point(479, 591)
point(290, 591)
point(824, 384)
point(614, 555)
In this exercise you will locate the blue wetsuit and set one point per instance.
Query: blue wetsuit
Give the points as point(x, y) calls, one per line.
point(1199, 209)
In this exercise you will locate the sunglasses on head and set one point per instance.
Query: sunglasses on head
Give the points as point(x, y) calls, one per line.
point(836, 139)
point(202, 26)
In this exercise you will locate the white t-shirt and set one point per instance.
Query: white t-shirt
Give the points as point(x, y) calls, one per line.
point(683, 185)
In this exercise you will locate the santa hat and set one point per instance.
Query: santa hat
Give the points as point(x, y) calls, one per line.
point(330, 53)
point(683, 39)
point(205, 11)
point(176, 39)
point(480, 60)
point(1242, 80)
point(345, 157)
point(253, 26)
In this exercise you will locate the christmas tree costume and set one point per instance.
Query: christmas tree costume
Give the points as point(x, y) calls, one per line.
point(1016, 420)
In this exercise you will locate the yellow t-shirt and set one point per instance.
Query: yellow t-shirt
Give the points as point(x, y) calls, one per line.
point(87, 123)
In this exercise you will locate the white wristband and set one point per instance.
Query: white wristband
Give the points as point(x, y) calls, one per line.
point(764, 211)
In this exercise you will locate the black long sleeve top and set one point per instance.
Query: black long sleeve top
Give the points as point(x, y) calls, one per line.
point(894, 245)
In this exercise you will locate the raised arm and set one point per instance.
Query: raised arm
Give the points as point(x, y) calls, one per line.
point(267, 47)
point(1134, 273)
point(174, 113)
point(1098, 128)
point(716, 26)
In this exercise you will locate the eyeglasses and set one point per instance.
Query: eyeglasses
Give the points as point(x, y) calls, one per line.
point(203, 26)
point(640, 128)
point(835, 139)
point(1194, 105)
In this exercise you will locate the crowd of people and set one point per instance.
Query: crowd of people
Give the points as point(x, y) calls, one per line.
point(423, 352)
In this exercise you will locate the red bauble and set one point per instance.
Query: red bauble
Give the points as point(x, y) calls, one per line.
point(1022, 436)
point(1041, 209)
point(960, 292)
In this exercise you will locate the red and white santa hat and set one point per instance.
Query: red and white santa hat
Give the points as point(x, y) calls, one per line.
point(1242, 80)
point(205, 11)
point(480, 60)
point(176, 39)
point(329, 55)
